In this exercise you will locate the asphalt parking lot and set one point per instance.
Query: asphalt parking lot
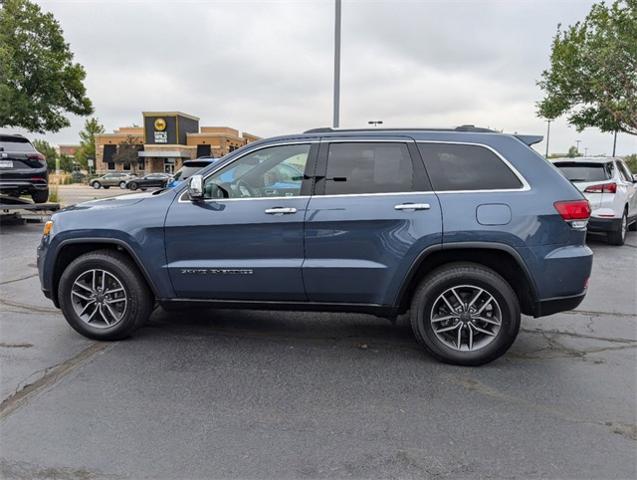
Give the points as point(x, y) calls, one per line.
point(237, 394)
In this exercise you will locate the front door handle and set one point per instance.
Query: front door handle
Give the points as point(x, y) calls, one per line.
point(280, 211)
point(412, 206)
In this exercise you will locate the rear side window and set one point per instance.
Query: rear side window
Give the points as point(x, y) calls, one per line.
point(15, 144)
point(466, 167)
point(625, 172)
point(585, 172)
point(368, 168)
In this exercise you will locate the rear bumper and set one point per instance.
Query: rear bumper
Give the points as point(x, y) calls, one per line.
point(17, 185)
point(596, 224)
point(558, 304)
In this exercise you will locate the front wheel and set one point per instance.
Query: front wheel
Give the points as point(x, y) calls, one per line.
point(465, 314)
point(132, 186)
point(122, 185)
point(103, 296)
point(619, 237)
point(96, 185)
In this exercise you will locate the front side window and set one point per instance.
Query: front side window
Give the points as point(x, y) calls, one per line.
point(357, 168)
point(466, 167)
point(269, 172)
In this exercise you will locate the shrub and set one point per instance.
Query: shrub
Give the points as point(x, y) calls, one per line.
point(631, 160)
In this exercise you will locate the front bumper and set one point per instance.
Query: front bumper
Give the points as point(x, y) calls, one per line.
point(596, 224)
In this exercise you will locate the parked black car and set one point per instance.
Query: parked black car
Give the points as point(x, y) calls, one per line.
point(22, 169)
point(149, 181)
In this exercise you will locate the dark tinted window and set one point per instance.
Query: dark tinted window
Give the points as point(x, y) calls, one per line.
point(466, 167)
point(368, 168)
point(15, 144)
point(585, 172)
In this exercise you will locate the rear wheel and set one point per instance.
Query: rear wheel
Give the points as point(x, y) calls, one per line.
point(465, 314)
point(96, 185)
point(40, 196)
point(103, 296)
point(619, 237)
point(132, 186)
point(122, 185)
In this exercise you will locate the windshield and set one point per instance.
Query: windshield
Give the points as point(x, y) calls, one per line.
point(586, 172)
point(15, 144)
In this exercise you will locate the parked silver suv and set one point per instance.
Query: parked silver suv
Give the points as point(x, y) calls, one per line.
point(112, 179)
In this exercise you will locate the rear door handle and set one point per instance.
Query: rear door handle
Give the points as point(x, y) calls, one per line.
point(412, 206)
point(280, 211)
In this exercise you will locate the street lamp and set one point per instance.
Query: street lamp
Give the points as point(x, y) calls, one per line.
point(548, 137)
point(375, 122)
point(337, 63)
point(577, 142)
point(586, 151)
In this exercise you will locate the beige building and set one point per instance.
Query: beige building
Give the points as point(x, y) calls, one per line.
point(164, 141)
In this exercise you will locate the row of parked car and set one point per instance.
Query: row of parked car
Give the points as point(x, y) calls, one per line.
point(131, 181)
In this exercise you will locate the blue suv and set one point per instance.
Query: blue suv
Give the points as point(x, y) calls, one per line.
point(464, 228)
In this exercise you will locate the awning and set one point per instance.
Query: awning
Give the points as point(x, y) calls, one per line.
point(162, 154)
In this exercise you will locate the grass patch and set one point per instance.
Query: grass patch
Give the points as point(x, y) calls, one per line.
point(54, 195)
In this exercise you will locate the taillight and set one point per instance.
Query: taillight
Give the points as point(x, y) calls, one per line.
point(575, 212)
point(37, 156)
point(602, 188)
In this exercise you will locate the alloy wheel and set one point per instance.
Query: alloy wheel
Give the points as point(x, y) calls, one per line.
point(99, 298)
point(466, 318)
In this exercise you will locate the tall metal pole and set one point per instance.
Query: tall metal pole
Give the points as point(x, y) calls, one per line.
point(337, 63)
point(614, 143)
point(548, 137)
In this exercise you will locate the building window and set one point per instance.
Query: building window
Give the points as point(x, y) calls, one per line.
point(111, 165)
point(126, 166)
point(203, 151)
point(141, 164)
point(109, 151)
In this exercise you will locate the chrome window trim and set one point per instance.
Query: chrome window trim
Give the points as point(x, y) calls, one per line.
point(525, 185)
point(256, 149)
point(381, 194)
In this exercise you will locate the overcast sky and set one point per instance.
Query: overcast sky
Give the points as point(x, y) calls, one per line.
point(266, 66)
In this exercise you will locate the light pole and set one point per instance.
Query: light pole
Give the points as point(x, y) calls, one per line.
point(337, 63)
point(577, 142)
point(375, 122)
point(614, 142)
point(586, 151)
point(548, 137)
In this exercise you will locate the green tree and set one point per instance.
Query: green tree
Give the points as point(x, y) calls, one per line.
point(593, 72)
point(127, 152)
point(572, 152)
point(39, 82)
point(66, 163)
point(46, 149)
point(631, 160)
point(92, 127)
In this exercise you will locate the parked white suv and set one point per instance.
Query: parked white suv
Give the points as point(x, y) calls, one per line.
point(611, 190)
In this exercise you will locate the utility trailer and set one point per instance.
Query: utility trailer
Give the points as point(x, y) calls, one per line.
point(13, 208)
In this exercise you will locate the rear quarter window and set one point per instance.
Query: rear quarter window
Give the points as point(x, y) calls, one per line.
point(466, 167)
point(585, 172)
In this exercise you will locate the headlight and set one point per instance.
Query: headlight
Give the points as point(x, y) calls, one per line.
point(47, 228)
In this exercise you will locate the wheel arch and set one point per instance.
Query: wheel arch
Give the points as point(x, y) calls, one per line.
point(501, 258)
point(70, 249)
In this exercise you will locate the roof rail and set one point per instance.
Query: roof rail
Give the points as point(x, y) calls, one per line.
point(461, 128)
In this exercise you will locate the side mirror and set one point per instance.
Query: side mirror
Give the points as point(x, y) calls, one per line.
point(195, 187)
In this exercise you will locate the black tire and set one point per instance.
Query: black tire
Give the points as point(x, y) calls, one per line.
point(132, 186)
point(618, 237)
point(96, 185)
point(456, 275)
point(40, 196)
point(106, 187)
point(139, 298)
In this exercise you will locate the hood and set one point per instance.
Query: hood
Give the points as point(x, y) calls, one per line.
point(112, 202)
